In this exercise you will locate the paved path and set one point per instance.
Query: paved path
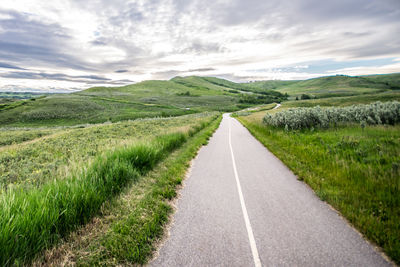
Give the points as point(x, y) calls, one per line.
point(242, 207)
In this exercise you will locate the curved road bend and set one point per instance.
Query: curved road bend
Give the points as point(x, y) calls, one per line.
point(254, 212)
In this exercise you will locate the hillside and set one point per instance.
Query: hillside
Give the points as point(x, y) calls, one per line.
point(183, 95)
point(340, 85)
point(175, 97)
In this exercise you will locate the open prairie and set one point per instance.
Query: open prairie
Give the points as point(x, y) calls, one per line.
point(93, 171)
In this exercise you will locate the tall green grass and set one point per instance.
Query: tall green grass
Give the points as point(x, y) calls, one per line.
point(33, 220)
point(138, 220)
point(356, 170)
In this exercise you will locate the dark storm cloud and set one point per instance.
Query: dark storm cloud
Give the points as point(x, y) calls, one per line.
point(121, 71)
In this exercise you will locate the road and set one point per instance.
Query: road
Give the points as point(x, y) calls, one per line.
point(241, 206)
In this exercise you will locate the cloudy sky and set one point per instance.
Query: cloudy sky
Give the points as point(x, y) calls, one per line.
point(70, 45)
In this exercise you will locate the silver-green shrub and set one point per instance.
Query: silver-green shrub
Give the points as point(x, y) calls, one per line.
point(301, 118)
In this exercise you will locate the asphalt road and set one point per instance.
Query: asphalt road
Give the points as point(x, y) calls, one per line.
point(241, 206)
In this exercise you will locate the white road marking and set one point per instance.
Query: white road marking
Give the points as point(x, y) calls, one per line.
point(254, 251)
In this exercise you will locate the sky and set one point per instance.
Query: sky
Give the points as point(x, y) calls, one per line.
point(70, 45)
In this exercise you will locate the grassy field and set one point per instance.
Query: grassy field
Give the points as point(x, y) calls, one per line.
point(175, 97)
point(7, 96)
point(88, 177)
point(184, 95)
point(61, 180)
point(127, 230)
point(355, 169)
point(44, 158)
point(333, 86)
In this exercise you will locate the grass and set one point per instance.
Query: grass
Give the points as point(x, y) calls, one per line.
point(252, 110)
point(341, 85)
point(16, 136)
point(345, 101)
point(138, 223)
point(178, 96)
point(183, 95)
point(20, 95)
point(356, 170)
point(64, 149)
point(86, 172)
point(34, 219)
point(101, 104)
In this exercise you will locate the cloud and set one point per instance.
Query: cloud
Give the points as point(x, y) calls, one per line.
point(28, 41)
point(90, 79)
point(9, 66)
point(201, 70)
point(74, 43)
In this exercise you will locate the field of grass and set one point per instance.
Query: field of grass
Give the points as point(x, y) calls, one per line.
point(341, 85)
point(87, 177)
point(344, 101)
point(60, 181)
point(177, 96)
point(35, 162)
point(130, 227)
point(355, 169)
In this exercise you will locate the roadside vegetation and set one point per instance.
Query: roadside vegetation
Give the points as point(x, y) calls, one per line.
point(38, 161)
point(87, 178)
point(35, 214)
point(349, 156)
point(133, 225)
point(377, 113)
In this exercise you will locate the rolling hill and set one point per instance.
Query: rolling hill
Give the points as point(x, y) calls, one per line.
point(177, 96)
point(183, 95)
point(339, 85)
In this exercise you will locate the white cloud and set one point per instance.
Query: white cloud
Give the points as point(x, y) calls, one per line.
point(156, 39)
point(362, 70)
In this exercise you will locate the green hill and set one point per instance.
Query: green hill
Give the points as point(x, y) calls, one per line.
point(179, 96)
point(175, 97)
point(340, 85)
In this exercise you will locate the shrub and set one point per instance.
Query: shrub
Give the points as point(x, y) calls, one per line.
point(300, 118)
point(305, 96)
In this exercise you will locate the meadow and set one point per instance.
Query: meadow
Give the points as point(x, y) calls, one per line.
point(53, 184)
point(178, 96)
point(354, 167)
point(88, 178)
point(341, 85)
